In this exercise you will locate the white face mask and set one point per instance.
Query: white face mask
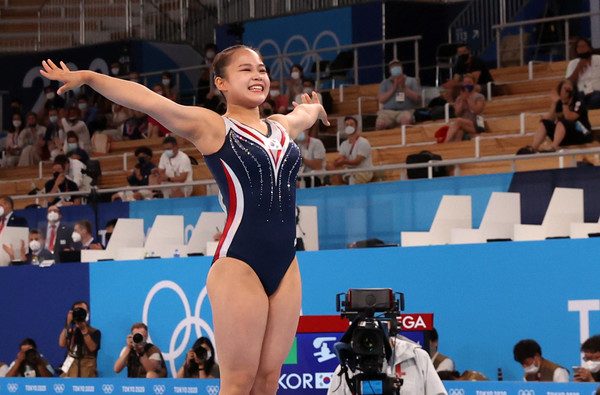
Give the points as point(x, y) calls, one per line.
point(16, 123)
point(592, 366)
point(166, 82)
point(52, 216)
point(275, 93)
point(114, 70)
point(50, 95)
point(307, 90)
point(295, 75)
point(35, 246)
point(53, 118)
point(532, 369)
point(76, 237)
point(1, 211)
point(349, 130)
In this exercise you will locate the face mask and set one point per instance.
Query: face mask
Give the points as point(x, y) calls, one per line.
point(295, 75)
point(592, 366)
point(169, 153)
point(142, 160)
point(76, 91)
point(464, 57)
point(52, 216)
point(32, 125)
point(166, 82)
point(585, 55)
point(134, 80)
point(275, 93)
point(114, 71)
point(16, 123)
point(349, 130)
point(76, 237)
point(53, 118)
point(82, 106)
point(35, 245)
point(73, 146)
point(532, 369)
point(210, 55)
point(396, 71)
point(301, 137)
point(72, 120)
point(1, 211)
point(468, 88)
point(50, 95)
point(307, 90)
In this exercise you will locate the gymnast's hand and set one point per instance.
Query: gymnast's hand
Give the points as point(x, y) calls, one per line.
point(70, 79)
point(306, 99)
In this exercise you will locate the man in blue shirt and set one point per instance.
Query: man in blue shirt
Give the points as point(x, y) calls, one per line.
point(399, 95)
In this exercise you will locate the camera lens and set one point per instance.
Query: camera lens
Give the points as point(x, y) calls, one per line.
point(138, 338)
point(200, 353)
point(79, 314)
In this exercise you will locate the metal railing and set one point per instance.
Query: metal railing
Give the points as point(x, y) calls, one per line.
point(65, 23)
point(478, 17)
point(521, 26)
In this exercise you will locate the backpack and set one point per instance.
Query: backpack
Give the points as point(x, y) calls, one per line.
point(424, 157)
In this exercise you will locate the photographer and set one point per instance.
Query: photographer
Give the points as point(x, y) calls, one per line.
point(82, 342)
point(29, 362)
point(142, 359)
point(200, 362)
point(61, 182)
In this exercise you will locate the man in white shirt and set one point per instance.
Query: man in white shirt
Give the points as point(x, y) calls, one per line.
point(355, 153)
point(75, 124)
point(174, 167)
point(313, 158)
point(585, 71)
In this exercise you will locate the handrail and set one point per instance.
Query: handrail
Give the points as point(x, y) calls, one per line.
point(399, 166)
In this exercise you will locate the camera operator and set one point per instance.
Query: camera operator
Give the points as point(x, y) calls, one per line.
point(29, 362)
point(142, 359)
point(200, 362)
point(411, 363)
point(82, 342)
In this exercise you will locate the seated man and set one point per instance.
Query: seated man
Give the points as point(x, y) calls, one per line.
point(73, 150)
point(82, 237)
point(474, 65)
point(590, 371)
point(441, 363)
point(174, 167)
point(313, 158)
point(355, 152)
point(399, 95)
point(143, 359)
point(529, 354)
point(60, 182)
point(585, 72)
point(7, 215)
point(33, 255)
point(141, 175)
point(29, 362)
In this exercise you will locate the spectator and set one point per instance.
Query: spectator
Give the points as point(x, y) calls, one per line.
point(82, 342)
point(29, 362)
point(174, 166)
point(169, 87)
point(88, 113)
point(208, 96)
point(109, 228)
point(118, 116)
point(60, 182)
point(200, 361)
point(441, 362)
point(469, 106)
point(74, 123)
point(7, 215)
point(135, 127)
point(115, 69)
point(12, 147)
point(134, 76)
point(308, 86)
point(474, 65)
point(210, 51)
point(313, 158)
point(3, 369)
point(142, 359)
point(399, 95)
point(567, 122)
point(58, 234)
point(355, 152)
point(82, 236)
point(278, 100)
point(34, 255)
point(417, 370)
point(155, 129)
point(141, 175)
point(529, 354)
point(32, 142)
point(585, 72)
point(74, 150)
point(590, 371)
point(52, 100)
point(55, 134)
point(293, 84)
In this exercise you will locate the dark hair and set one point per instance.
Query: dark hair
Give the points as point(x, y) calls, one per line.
point(210, 46)
point(144, 150)
point(34, 232)
point(591, 345)
point(352, 118)
point(223, 59)
point(9, 200)
point(585, 40)
point(299, 67)
point(309, 80)
point(170, 140)
point(111, 222)
point(575, 92)
point(61, 160)
point(87, 306)
point(140, 325)
point(12, 128)
point(433, 335)
point(86, 224)
point(192, 369)
point(72, 134)
point(527, 348)
point(82, 96)
point(30, 113)
point(28, 342)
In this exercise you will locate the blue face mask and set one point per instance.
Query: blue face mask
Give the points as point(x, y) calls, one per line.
point(396, 71)
point(169, 153)
point(73, 146)
point(301, 137)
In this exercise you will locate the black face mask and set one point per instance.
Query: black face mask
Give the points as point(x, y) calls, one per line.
point(464, 57)
point(55, 175)
point(142, 160)
point(585, 55)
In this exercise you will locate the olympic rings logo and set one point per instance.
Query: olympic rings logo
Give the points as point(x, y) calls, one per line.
point(59, 388)
point(456, 391)
point(12, 387)
point(159, 389)
point(526, 392)
point(212, 389)
point(108, 388)
point(186, 323)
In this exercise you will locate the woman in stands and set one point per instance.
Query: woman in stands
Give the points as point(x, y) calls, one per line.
point(567, 122)
point(469, 106)
point(254, 283)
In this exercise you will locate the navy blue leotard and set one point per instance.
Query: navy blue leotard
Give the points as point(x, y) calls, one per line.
point(256, 175)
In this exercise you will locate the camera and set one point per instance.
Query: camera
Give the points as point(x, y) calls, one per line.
point(366, 344)
point(79, 314)
point(31, 355)
point(200, 353)
point(138, 338)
